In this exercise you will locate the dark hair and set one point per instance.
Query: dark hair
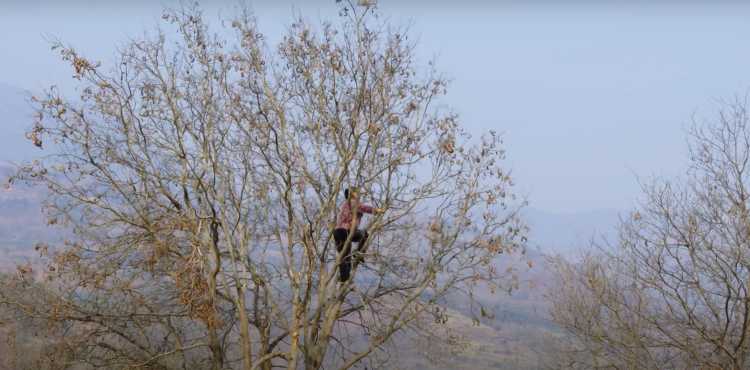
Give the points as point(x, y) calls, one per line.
point(346, 193)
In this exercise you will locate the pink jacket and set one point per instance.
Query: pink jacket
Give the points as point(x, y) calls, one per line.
point(346, 217)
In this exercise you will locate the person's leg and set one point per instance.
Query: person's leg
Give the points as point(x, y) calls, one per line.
point(360, 237)
point(339, 236)
point(345, 266)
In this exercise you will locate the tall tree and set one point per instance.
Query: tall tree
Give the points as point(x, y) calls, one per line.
point(202, 177)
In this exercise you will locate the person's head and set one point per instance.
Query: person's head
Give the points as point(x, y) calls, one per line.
point(351, 193)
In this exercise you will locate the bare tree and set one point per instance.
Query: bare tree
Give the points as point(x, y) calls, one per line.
point(674, 292)
point(202, 178)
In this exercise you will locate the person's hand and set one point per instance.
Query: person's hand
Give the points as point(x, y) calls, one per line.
point(379, 210)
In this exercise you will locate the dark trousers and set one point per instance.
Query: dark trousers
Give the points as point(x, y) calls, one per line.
point(340, 236)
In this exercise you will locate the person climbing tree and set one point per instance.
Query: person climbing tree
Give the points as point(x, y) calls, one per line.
point(347, 223)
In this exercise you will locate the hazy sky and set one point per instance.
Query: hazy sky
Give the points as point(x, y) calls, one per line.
point(587, 95)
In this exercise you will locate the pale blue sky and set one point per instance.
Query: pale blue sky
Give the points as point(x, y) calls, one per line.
point(586, 95)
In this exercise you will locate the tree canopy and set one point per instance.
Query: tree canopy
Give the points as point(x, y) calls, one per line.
point(201, 175)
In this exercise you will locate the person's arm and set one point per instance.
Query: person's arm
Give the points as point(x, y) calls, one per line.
point(369, 209)
point(366, 209)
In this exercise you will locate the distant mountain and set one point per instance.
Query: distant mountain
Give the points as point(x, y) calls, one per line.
point(22, 224)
